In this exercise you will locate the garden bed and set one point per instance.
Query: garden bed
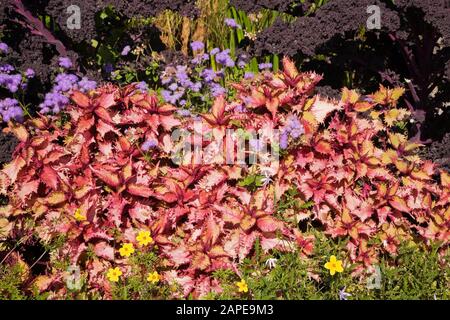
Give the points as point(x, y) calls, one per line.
point(222, 150)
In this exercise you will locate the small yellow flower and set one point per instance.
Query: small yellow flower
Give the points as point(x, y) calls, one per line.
point(144, 238)
point(78, 216)
point(126, 250)
point(114, 274)
point(153, 277)
point(242, 285)
point(334, 265)
point(375, 114)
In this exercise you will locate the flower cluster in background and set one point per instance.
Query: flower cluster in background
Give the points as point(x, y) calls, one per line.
point(54, 101)
point(12, 81)
point(293, 128)
point(64, 82)
point(204, 77)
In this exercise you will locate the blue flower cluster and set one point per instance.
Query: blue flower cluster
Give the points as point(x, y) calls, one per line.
point(56, 99)
point(10, 110)
point(12, 81)
point(182, 80)
point(293, 128)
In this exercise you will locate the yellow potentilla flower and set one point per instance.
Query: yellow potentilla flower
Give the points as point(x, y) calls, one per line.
point(78, 216)
point(375, 114)
point(334, 265)
point(153, 277)
point(114, 274)
point(242, 285)
point(144, 238)
point(126, 250)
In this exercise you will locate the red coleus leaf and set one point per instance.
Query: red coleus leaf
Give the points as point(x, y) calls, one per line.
point(104, 250)
point(212, 231)
point(55, 198)
point(80, 99)
point(50, 177)
point(305, 243)
point(12, 169)
point(115, 209)
point(257, 98)
point(27, 188)
point(105, 101)
point(5, 182)
point(217, 117)
point(110, 178)
point(166, 108)
point(399, 204)
point(445, 179)
point(140, 190)
point(321, 108)
point(200, 261)
point(179, 256)
point(92, 233)
point(268, 224)
point(85, 123)
point(238, 244)
point(103, 114)
point(168, 122)
point(363, 106)
point(218, 107)
point(19, 131)
point(272, 104)
point(323, 147)
point(82, 191)
point(247, 222)
point(127, 170)
point(289, 68)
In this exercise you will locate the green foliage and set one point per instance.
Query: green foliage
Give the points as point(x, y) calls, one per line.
point(10, 283)
point(251, 182)
point(415, 274)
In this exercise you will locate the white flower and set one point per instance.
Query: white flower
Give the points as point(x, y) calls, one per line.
point(267, 172)
point(271, 263)
point(266, 180)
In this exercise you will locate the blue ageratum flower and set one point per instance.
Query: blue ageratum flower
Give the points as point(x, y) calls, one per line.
point(214, 51)
point(264, 66)
point(197, 45)
point(148, 144)
point(125, 50)
point(86, 85)
point(249, 75)
point(10, 110)
point(29, 73)
point(232, 23)
point(65, 62)
point(4, 47)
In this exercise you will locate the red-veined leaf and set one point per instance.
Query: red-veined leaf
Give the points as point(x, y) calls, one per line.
point(50, 177)
point(110, 178)
point(267, 224)
point(80, 99)
point(55, 198)
point(140, 190)
point(399, 204)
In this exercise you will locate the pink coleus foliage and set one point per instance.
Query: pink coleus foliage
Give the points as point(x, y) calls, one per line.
point(362, 177)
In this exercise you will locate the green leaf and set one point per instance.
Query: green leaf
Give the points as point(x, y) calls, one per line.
point(307, 205)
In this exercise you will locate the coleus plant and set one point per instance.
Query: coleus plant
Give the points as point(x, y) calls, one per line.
point(88, 177)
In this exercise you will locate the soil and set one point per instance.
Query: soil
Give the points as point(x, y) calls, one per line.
point(438, 152)
point(8, 143)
